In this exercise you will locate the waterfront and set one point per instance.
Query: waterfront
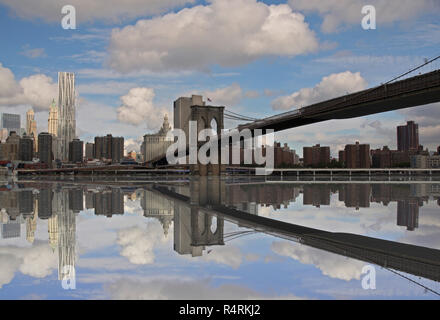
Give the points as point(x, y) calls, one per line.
point(211, 238)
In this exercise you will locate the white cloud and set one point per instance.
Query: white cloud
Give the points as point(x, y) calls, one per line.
point(230, 256)
point(105, 88)
point(225, 32)
point(138, 107)
point(138, 244)
point(89, 11)
point(330, 264)
point(332, 86)
point(174, 289)
point(227, 96)
point(37, 261)
point(37, 90)
point(33, 53)
point(337, 13)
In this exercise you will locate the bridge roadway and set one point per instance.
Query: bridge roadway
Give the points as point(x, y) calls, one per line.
point(412, 259)
point(411, 92)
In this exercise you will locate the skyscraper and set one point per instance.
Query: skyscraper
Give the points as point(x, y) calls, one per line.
point(109, 147)
point(31, 127)
point(408, 137)
point(182, 112)
point(66, 113)
point(26, 148)
point(52, 122)
point(45, 148)
point(76, 151)
point(11, 122)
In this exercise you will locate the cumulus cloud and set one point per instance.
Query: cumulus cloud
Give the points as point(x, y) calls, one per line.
point(138, 244)
point(138, 107)
point(230, 256)
point(227, 96)
point(330, 264)
point(33, 52)
point(337, 13)
point(89, 11)
point(224, 32)
point(37, 90)
point(37, 261)
point(331, 86)
point(175, 289)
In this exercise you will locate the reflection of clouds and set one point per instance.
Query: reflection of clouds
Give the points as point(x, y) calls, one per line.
point(37, 261)
point(228, 255)
point(138, 244)
point(181, 289)
point(330, 264)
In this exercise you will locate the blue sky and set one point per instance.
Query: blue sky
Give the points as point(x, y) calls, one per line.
point(257, 58)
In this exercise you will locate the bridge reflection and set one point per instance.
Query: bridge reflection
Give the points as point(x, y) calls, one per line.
point(198, 208)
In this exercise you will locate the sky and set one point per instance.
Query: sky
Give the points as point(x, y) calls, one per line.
point(133, 58)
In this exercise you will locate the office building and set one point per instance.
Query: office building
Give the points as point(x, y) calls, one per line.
point(182, 112)
point(109, 148)
point(76, 151)
point(11, 122)
point(31, 127)
point(52, 121)
point(45, 151)
point(90, 150)
point(9, 150)
point(66, 113)
point(408, 137)
point(26, 148)
point(156, 144)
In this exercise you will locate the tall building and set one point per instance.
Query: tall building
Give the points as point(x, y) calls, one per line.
point(26, 148)
point(408, 137)
point(156, 144)
point(52, 122)
point(182, 112)
point(110, 148)
point(76, 151)
point(45, 148)
point(357, 155)
point(11, 122)
point(31, 127)
point(66, 237)
point(90, 150)
point(9, 150)
point(117, 149)
point(66, 113)
point(316, 156)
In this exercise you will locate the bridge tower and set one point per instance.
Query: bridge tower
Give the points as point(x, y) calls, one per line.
point(208, 117)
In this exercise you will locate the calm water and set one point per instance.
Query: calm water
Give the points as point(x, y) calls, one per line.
point(218, 239)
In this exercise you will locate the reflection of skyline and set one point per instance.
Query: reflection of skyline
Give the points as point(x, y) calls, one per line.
point(196, 222)
point(22, 204)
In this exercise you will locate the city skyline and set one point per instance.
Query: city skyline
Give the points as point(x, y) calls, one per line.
point(131, 100)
